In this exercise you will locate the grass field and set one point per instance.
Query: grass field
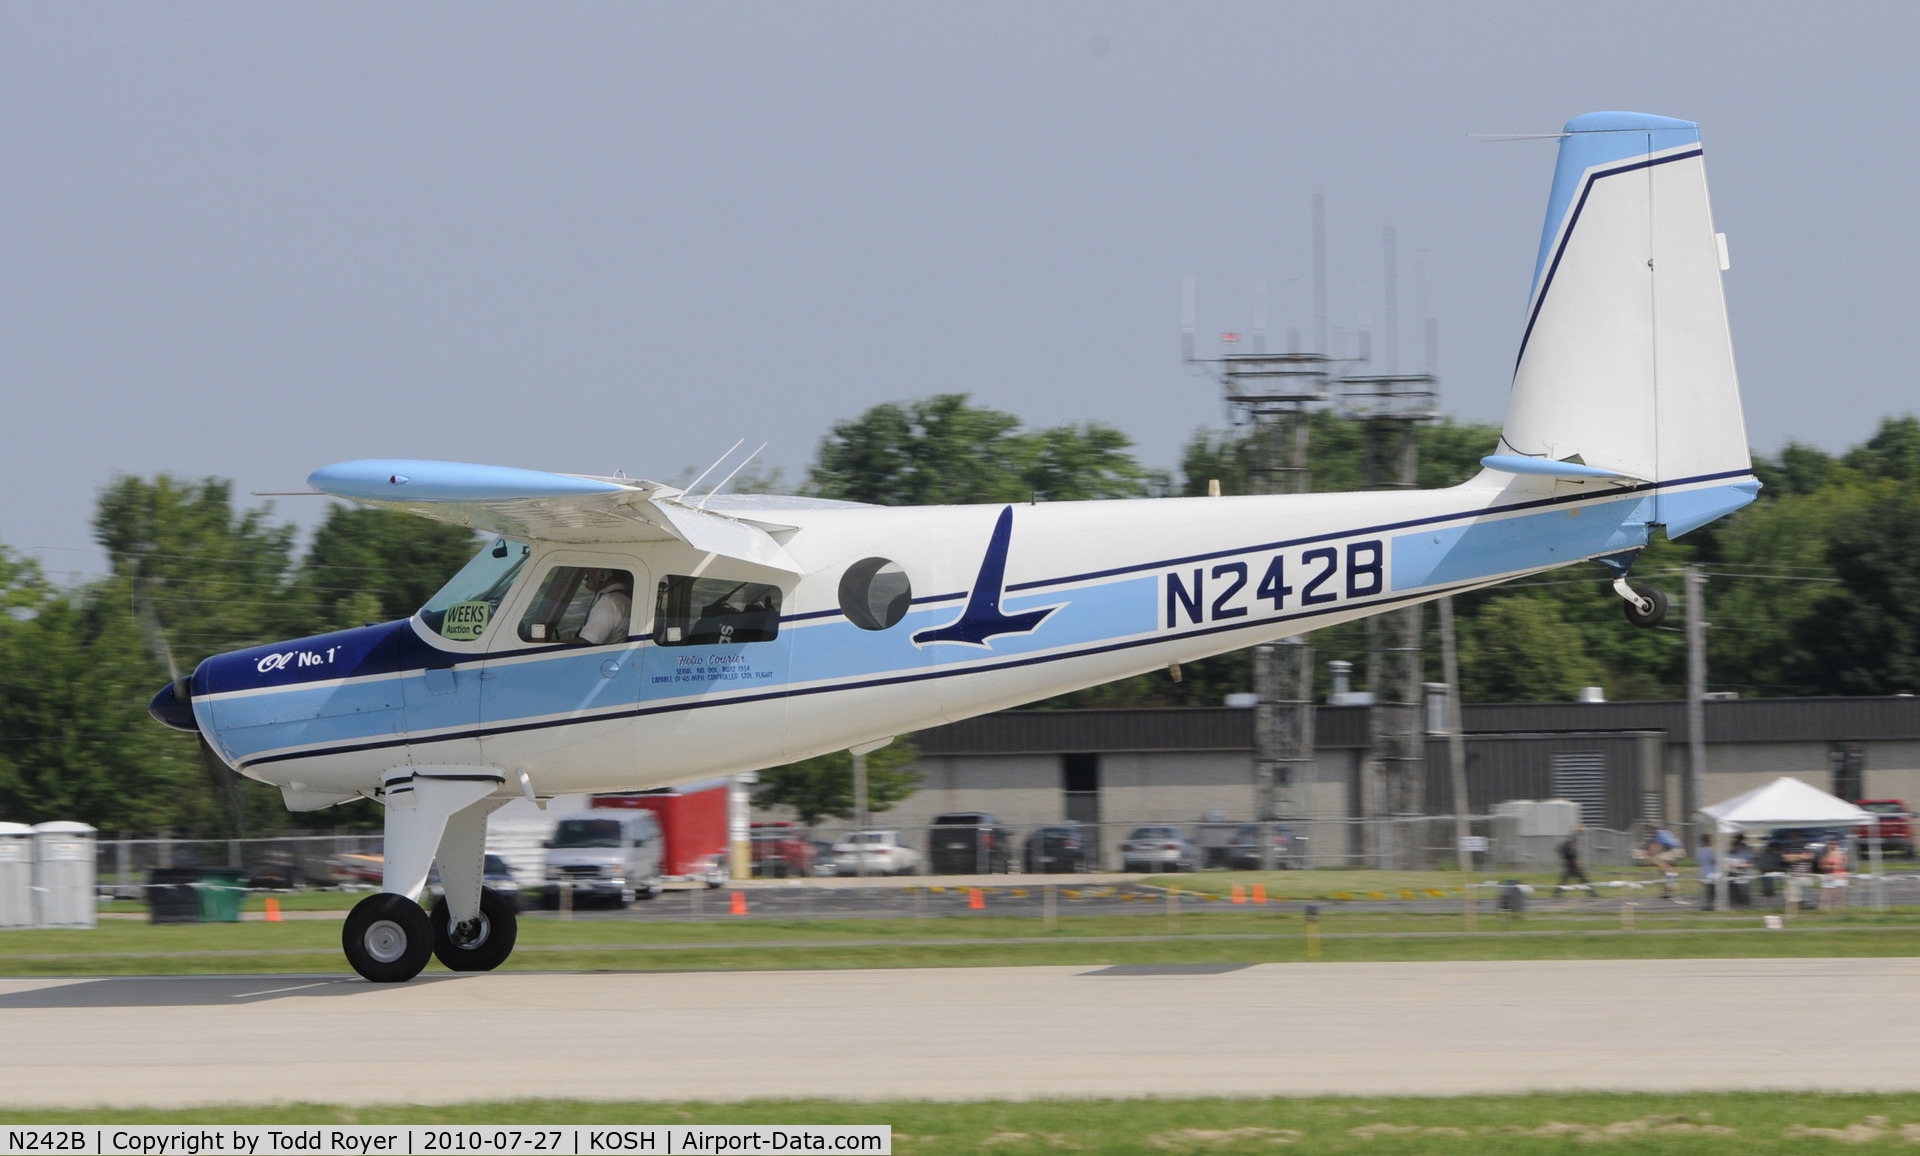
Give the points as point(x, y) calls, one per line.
point(1211, 932)
point(1744, 1123)
point(1356, 886)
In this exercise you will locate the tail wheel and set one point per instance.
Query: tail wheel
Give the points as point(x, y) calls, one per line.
point(1651, 618)
point(387, 938)
point(482, 947)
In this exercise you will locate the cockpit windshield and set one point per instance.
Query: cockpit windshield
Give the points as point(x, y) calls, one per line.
point(468, 601)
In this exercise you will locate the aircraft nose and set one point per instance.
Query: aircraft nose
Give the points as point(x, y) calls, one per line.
point(173, 706)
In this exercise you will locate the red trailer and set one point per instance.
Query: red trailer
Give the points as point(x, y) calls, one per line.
point(693, 820)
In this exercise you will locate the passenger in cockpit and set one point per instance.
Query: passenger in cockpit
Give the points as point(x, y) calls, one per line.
point(612, 608)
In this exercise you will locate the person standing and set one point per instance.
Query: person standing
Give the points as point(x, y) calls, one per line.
point(1833, 867)
point(1663, 852)
point(1570, 872)
point(1707, 862)
point(1739, 872)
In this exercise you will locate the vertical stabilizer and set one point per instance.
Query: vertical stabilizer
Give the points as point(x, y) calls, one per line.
point(1626, 359)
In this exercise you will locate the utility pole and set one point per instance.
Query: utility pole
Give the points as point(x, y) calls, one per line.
point(859, 810)
point(1697, 721)
point(1456, 741)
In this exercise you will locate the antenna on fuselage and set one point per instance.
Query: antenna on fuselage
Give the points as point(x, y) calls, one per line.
point(721, 484)
point(1186, 320)
point(695, 484)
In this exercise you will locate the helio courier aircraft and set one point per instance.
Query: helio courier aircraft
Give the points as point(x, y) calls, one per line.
point(617, 634)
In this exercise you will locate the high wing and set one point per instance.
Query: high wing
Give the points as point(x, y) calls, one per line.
point(534, 506)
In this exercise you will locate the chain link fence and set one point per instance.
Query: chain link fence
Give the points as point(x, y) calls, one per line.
point(1414, 843)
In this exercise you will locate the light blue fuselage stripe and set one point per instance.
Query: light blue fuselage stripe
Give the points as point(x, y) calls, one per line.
point(1470, 548)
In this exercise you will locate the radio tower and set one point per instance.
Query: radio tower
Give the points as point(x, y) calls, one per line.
point(1275, 394)
point(1392, 406)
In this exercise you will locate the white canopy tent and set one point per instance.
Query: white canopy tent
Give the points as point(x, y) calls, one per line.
point(1785, 802)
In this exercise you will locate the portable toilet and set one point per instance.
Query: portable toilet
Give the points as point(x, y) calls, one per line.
point(16, 875)
point(63, 875)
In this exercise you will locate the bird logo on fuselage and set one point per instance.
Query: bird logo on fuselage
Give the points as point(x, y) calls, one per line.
point(982, 620)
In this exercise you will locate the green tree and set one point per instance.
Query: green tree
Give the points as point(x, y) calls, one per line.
point(816, 788)
point(1520, 649)
point(943, 450)
point(75, 738)
point(216, 580)
point(372, 565)
point(1863, 636)
point(1892, 453)
point(1450, 453)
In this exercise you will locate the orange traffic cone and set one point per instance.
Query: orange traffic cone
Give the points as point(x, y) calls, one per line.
point(1239, 893)
point(273, 910)
point(976, 899)
point(1259, 892)
point(739, 903)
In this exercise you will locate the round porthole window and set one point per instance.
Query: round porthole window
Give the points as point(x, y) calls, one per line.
point(875, 593)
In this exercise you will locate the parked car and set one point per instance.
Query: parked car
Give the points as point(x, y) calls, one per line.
point(1247, 851)
point(782, 850)
point(612, 855)
point(1055, 850)
point(496, 876)
point(969, 843)
point(1159, 849)
point(1895, 829)
point(358, 868)
point(874, 853)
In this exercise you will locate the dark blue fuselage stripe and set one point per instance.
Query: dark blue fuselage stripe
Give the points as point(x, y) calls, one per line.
point(1334, 535)
point(1573, 218)
point(920, 676)
point(889, 680)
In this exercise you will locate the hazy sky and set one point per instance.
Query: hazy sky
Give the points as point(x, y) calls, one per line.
point(250, 240)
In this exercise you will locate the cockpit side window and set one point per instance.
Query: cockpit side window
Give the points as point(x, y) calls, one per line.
point(462, 609)
point(580, 606)
point(714, 611)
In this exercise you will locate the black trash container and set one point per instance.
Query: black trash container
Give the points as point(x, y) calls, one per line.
point(172, 895)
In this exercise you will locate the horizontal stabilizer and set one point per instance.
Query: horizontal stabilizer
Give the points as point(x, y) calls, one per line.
point(1546, 467)
point(530, 505)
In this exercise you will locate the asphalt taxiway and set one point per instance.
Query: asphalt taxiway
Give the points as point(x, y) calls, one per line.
point(959, 1033)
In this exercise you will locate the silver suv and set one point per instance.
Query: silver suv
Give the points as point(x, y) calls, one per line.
point(612, 855)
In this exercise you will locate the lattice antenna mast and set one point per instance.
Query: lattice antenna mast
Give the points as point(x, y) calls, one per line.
point(1392, 406)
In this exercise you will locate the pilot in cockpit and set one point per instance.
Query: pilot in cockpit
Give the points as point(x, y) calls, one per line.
point(611, 611)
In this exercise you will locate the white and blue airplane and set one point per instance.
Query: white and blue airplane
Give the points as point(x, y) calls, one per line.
point(616, 634)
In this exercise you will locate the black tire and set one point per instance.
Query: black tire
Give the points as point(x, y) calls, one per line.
point(387, 938)
point(1654, 617)
point(499, 927)
point(650, 888)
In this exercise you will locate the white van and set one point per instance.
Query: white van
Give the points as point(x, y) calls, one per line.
point(604, 855)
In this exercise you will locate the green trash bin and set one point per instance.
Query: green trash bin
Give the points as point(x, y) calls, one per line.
point(221, 889)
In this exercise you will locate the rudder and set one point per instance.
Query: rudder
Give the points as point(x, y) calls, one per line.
point(1626, 361)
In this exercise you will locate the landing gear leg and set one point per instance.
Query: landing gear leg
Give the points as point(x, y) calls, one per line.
point(387, 937)
point(1646, 605)
point(473, 928)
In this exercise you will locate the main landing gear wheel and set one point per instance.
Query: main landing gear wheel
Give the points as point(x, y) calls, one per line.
point(482, 946)
point(388, 939)
point(1647, 619)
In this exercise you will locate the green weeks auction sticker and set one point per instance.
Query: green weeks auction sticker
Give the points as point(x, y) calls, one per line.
point(466, 620)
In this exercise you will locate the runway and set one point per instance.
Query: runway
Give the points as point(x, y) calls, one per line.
point(964, 1033)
